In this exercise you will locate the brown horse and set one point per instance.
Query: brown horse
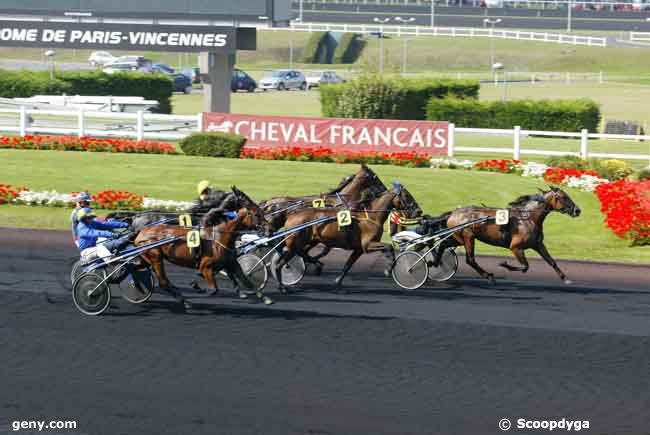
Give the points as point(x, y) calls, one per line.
point(217, 251)
point(362, 236)
point(524, 229)
point(352, 189)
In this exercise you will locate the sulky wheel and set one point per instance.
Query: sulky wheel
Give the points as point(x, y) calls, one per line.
point(292, 273)
point(90, 294)
point(75, 272)
point(410, 270)
point(447, 267)
point(256, 271)
point(142, 287)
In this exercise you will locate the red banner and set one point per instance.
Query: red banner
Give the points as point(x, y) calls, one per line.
point(386, 136)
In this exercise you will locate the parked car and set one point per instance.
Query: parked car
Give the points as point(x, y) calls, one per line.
point(182, 83)
point(100, 58)
point(242, 82)
point(129, 63)
point(317, 78)
point(284, 79)
point(162, 68)
point(194, 74)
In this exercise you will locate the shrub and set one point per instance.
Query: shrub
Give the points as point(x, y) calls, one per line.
point(548, 115)
point(25, 84)
point(644, 174)
point(390, 98)
point(614, 170)
point(568, 162)
point(349, 48)
point(313, 47)
point(215, 144)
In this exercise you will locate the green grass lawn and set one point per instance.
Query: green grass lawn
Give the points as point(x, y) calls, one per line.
point(175, 177)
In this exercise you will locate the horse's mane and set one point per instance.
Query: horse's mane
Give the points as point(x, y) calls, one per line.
point(344, 182)
point(525, 199)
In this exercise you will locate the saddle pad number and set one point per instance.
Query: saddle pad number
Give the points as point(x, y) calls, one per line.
point(344, 218)
point(193, 239)
point(185, 220)
point(318, 203)
point(503, 217)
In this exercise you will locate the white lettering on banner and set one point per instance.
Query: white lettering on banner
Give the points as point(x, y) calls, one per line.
point(358, 135)
point(178, 39)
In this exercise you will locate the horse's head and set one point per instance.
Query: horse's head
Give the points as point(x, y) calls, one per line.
point(245, 202)
point(559, 200)
point(405, 202)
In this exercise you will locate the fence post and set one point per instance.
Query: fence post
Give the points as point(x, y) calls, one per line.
point(516, 152)
point(199, 122)
point(81, 124)
point(601, 79)
point(451, 140)
point(139, 128)
point(584, 143)
point(23, 121)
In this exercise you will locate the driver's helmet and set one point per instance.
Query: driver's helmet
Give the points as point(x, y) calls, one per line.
point(82, 196)
point(202, 187)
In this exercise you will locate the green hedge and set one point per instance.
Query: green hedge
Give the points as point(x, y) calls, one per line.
point(213, 145)
point(549, 115)
point(378, 97)
point(25, 84)
point(349, 48)
point(312, 48)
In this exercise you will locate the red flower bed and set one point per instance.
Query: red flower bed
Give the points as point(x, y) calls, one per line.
point(328, 155)
point(118, 200)
point(557, 175)
point(626, 205)
point(504, 166)
point(73, 143)
point(9, 193)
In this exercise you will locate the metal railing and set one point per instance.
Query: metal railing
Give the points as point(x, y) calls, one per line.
point(453, 32)
point(640, 36)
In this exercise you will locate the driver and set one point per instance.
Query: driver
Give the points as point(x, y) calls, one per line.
point(83, 201)
point(89, 230)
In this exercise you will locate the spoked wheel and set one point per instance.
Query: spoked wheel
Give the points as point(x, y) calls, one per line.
point(410, 270)
point(292, 273)
point(91, 296)
point(446, 269)
point(142, 288)
point(255, 269)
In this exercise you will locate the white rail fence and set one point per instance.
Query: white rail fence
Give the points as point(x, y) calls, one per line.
point(640, 36)
point(454, 32)
point(144, 126)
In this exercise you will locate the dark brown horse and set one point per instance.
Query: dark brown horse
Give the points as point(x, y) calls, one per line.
point(354, 188)
point(217, 250)
point(524, 229)
point(362, 236)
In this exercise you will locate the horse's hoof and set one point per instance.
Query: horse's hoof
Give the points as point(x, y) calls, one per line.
point(387, 273)
point(491, 280)
point(568, 282)
point(283, 290)
point(243, 295)
point(267, 300)
point(187, 304)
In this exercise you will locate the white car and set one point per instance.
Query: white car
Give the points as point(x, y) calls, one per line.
point(100, 58)
point(283, 79)
point(317, 78)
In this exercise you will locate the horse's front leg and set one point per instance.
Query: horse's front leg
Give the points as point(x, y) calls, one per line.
point(206, 267)
point(541, 250)
point(348, 265)
point(469, 242)
point(520, 255)
point(387, 250)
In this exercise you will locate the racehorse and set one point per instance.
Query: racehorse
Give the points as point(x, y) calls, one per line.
point(362, 236)
point(352, 189)
point(216, 252)
point(524, 229)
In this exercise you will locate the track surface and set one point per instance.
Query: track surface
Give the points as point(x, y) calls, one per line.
point(454, 358)
point(454, 16)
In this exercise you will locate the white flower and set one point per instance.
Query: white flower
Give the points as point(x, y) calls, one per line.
point(51, 198)
point(587, 183)
point(532, 169)
point(152, 203)
point(441, 163)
